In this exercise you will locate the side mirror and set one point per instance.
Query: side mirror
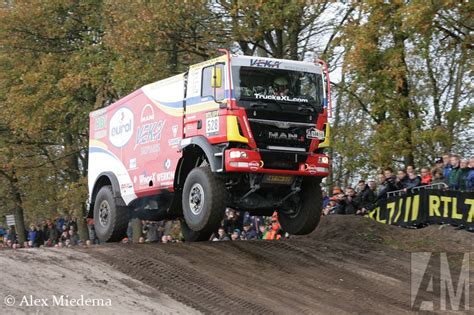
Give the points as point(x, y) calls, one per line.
point(216, 79)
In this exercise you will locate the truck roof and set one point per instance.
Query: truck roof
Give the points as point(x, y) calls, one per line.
point(287, 64)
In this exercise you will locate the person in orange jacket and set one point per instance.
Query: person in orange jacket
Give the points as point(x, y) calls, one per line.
point(275, 233)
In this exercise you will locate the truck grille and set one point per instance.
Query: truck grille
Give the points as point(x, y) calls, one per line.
point(280, 135)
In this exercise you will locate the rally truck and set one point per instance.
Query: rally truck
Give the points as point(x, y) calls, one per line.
point(239, 132)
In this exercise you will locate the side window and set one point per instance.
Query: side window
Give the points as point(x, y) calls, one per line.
point(207, 89)
point(212, 77)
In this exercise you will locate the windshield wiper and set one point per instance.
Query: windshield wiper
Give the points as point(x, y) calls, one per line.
point(258, 105)
point(308, 108)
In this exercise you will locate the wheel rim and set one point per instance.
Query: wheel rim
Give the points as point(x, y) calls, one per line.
point(196, 199)
point(104, 213)
point(294, 211)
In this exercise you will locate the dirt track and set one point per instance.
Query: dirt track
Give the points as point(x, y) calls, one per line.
point(348, 265)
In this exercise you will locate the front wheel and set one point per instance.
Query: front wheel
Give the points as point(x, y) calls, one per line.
point(303, 217)
point(203, 204)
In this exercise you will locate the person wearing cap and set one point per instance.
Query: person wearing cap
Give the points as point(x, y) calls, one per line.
point(235, 235)
point(281, 86)
point(439, 163)
point(250, 233)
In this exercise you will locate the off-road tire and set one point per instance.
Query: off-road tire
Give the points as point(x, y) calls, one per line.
point(306, 217)
point(115, 227)
point(203, 204)
point(193, 236)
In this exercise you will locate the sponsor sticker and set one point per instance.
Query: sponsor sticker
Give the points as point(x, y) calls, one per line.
point(280, 98)
point(147, 114)
point(100, 134)
point(121, 127)
point(174, 130)
point(265, 63)
point(311, 168)
point(149, 149)
point(149, 132)
point(133, 163)
point(167, 164)
point(174, 142)
point(100, 122)
point(313, 133)
point(254, 165)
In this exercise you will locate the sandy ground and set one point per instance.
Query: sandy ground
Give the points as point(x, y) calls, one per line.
point(52, 273)
point(348, 265)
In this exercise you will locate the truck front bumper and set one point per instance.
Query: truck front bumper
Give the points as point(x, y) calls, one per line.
point(250, 161)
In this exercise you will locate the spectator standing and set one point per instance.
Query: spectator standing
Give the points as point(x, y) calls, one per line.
point(446, 165)
point(275, 233)
point(439, 163)
point(402, 180)
point(455, 174)
point(437, 176)
point(221, 235)
point(470, 175)
point(59, 223)
point(413, 181)
point(365, 196)
point(410, 169)
point(232, 221)
point(464, 173)
point(64, 236)
point(51, 234)
point(425, 176)
point(386, 185)
point(2, 233)
point(262, 230)
point(150, 229)
point(235, 235)
point(91, 229)
point(73, 237)
point(250, 233)
point(373, 186)
point(73, 224)
point(33, 235)
point(11, 235)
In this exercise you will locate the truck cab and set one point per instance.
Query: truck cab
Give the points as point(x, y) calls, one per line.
point(243, 132)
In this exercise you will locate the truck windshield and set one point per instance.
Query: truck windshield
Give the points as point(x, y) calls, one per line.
point(278, 85)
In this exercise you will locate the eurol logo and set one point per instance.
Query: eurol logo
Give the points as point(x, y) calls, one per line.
point(121, 127)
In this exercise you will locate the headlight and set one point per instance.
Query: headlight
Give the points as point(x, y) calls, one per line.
point(238, 155)
point(323, 160)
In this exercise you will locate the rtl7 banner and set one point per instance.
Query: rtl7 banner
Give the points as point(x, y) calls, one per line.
point(427, 206)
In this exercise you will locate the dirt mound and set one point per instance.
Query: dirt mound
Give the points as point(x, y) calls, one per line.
point(336, 269)
point(348, 265)
point(362, 231)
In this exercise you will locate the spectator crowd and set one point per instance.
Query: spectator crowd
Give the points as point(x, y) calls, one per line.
point(449, 172)
point(63, 231)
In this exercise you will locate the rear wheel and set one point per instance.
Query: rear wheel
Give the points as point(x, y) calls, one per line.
point(203, 204)
point(110, 219)
point(303, 217)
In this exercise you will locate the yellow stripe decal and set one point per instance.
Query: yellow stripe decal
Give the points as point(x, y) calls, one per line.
point(233, 133)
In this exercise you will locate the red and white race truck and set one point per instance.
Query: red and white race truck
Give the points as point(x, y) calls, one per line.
point(235, 131)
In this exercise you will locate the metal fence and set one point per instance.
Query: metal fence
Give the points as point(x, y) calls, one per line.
point(417, 188)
